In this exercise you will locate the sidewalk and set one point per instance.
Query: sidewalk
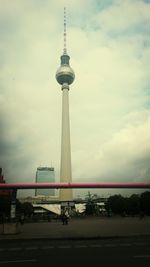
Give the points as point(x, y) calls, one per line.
point(83, 228)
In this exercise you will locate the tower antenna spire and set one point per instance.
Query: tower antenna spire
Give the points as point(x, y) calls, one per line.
point(65, 32)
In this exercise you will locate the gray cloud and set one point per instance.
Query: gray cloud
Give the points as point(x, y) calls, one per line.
point(109, 100)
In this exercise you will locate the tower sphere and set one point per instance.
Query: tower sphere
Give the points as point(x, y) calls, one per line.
point(65, 73)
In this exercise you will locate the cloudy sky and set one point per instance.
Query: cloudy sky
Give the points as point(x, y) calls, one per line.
point(109, 45)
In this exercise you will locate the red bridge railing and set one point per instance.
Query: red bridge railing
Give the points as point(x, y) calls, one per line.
point(72, 185)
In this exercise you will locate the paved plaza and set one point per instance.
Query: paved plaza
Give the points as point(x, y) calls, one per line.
point(83, 228)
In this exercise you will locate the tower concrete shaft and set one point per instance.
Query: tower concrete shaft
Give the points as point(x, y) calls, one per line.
point(65, 76)
point(65, 166)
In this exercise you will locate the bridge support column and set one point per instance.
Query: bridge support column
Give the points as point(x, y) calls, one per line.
point(13, 205)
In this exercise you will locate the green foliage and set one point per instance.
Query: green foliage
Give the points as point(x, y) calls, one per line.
point(116, 204)
point(21, 208)
point(4, 206)
point(133, 205)
point(91, 207)
point(145, 202)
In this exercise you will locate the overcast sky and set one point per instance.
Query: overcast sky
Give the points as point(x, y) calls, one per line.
point(109, 45)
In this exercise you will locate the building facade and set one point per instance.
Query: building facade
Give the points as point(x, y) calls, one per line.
point(45, 175)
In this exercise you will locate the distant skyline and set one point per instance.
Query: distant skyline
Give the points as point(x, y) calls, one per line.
point(109, 45)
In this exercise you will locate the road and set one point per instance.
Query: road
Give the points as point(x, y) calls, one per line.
point(116, 251)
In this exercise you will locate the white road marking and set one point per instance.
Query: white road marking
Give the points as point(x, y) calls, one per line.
point(110, 245)
point(80, 246)
point(31, 248)
point(95, 246)
point(64, 246)
point(125, 245)
point(14, 249)
point(142, 256)
point(32, 260)
point(48, 247)
point(139, 244)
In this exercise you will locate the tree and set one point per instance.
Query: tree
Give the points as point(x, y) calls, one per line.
point(116, 204)
point(5, 206)
point(133, 206)
point(91, 207)
point(145, 202)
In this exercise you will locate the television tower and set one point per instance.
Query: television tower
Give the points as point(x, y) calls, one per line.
point(65, 76)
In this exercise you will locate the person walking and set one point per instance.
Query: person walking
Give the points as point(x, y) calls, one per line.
point(64, 216)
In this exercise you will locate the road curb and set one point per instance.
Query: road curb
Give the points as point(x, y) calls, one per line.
point(10, 238)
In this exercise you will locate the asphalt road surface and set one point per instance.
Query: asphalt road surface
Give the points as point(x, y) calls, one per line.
point(101, 252)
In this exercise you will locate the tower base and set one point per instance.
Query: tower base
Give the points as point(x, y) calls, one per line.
point(66, 195)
